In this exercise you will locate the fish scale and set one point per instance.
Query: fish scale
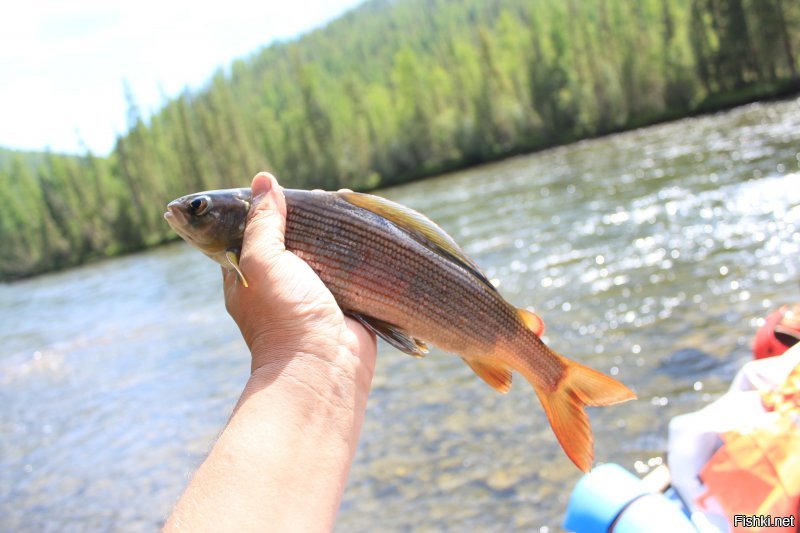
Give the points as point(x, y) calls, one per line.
point(422, 314)
point(407, 280)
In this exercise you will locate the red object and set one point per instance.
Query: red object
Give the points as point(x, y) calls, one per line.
point(766, 344)
point(757, 470)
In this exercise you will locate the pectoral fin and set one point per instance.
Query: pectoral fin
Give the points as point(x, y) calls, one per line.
point(233, 260)
point(394, 336)
point(498, 377)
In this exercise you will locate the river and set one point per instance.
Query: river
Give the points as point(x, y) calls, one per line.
point(651, 255)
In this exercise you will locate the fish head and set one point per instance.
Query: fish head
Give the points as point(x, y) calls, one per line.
point(211, 221)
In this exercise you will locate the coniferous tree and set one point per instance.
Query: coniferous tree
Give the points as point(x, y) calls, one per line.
point(397, 90)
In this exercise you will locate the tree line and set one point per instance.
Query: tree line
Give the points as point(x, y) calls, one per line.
point(394, 91)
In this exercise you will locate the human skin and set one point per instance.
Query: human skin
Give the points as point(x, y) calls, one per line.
point(282, 461)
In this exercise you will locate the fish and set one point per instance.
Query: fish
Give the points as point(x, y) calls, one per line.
point(404, 278)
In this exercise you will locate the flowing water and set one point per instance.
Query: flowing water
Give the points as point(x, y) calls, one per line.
point(651, 255)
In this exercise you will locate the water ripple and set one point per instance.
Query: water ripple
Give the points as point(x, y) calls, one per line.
point(651, 255)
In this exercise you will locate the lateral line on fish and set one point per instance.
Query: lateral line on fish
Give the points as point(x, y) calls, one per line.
point(357, 230)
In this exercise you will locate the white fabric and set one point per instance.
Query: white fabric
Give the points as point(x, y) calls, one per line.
point(694, 437)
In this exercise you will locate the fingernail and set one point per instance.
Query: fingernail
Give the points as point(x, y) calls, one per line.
point(260, 187)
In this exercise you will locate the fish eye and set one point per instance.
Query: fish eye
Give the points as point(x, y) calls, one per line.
point(199, 205)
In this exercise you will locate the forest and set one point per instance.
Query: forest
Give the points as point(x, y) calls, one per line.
point(397, 90)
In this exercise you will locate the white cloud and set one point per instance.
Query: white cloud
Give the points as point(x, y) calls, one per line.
point(62, 63)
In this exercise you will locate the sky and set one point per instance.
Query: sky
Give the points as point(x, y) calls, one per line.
point(63, 63)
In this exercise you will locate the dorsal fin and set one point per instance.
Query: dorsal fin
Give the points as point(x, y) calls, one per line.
point(499, 378)
point(418, 226)
point(532, 321)
point(394, 336)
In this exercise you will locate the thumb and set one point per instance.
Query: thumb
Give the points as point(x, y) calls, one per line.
point(266, 221)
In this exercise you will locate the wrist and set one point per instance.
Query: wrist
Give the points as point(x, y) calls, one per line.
point(332, 375)
point(340, 354)
point(316, 370)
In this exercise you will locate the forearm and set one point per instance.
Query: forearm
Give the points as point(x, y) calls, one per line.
point(282, 461)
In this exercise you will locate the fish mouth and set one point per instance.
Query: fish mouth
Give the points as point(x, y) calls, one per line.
point(174, 214)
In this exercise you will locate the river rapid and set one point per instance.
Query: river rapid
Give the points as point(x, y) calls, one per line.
point(652, 255)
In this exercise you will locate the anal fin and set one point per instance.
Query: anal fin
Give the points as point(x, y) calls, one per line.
point(499, 378)
point(394, 336)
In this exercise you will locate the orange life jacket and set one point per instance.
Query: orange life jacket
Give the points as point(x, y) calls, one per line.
point(757, 471)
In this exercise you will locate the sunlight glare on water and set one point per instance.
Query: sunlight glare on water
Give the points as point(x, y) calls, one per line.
point(651, 255)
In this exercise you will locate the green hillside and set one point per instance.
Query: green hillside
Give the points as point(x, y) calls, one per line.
point(29, 158)
point(397, 90)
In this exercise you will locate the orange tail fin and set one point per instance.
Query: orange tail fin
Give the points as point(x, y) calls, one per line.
point(578, 387)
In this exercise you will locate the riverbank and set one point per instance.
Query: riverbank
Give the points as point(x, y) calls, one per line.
point(786, 91)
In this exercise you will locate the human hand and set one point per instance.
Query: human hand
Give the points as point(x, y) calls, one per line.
point(287, 312)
